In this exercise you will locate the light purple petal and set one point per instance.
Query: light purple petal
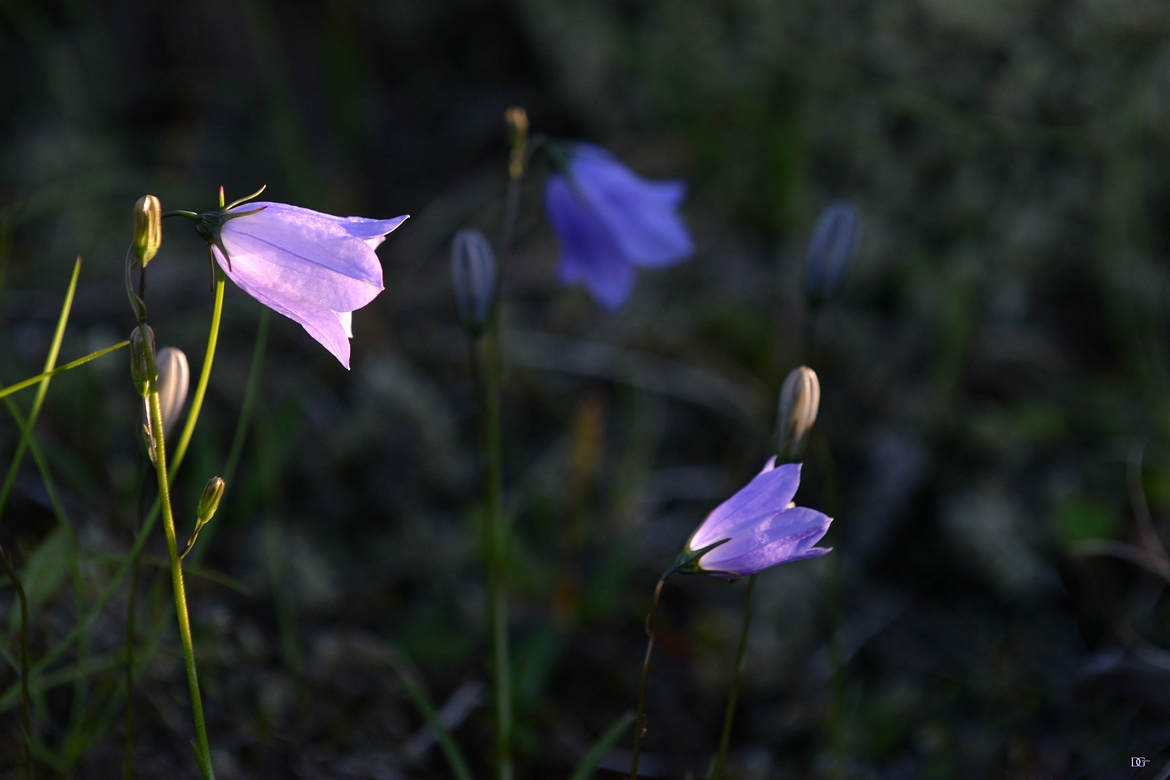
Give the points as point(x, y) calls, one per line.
point(301, 271)
point(764, 496)
point(312, 237)
point(588, 251)
point(640, 215)
point(783, 532)
point(322, 323)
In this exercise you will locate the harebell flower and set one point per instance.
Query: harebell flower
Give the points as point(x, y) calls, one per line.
point(610, 221)
point(314, 268)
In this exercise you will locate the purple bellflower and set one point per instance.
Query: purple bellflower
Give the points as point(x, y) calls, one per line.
point(610, 221)
point(756, 528)
point(313, 268)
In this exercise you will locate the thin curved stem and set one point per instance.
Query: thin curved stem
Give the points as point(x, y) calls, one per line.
point(640, 721)
point(204, 376)
point(733, 698)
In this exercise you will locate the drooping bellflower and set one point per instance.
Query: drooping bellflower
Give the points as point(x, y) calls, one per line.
point(756, 528)
point(313, 268)
point(610, 221)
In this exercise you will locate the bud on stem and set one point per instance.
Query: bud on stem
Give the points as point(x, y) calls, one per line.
point(142, 361)
point(796, 412)
point(147, 228)
point(473, 275)
point(208, 503)
point(517, 120)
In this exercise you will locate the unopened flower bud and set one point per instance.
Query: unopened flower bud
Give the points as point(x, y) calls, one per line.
point(142, 344)
point(174, 376)
point(473, 275)
point(796, 412)
point(517, 119)
point(147, 228)
point(209, 501)
point(831, 248)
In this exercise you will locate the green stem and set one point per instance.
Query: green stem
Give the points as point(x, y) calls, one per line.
point(204, 377)
point(202, 751)
point(485, 368)
point(640, 721)
point(25, 709)
point(733, 698)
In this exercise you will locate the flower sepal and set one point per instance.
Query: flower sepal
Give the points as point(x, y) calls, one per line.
point(688, 561)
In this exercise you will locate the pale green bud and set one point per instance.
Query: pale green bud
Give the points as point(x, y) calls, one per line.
point(147, 228)
point(209, 501)
point(142, 344)
point(796, 412)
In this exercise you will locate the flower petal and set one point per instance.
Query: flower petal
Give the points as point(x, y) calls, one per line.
point(588, 251)
point(764, 496)
point(641, 215)
point(316, 238)
point(300, 268)
point(790, 532)
point(322, 323)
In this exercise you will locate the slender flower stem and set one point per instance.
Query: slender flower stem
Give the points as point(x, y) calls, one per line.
point(733, 698)
point(485, 368)
point(202, 751)
point(204, 375)
point(25, 710)
point(640, 721)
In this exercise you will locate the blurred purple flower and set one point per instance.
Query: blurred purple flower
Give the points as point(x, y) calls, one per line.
point(831, 248)
point(609, 221)
point(761, 526)
point(313, 268)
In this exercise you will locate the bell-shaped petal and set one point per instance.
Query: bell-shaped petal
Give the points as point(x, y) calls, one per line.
point(609, 221)
point(758, 527)
point(315, 269)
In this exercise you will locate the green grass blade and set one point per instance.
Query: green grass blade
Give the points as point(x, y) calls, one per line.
point(447, 743)
point(588, 766)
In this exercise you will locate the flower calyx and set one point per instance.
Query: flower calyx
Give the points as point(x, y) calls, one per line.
point(688, 561)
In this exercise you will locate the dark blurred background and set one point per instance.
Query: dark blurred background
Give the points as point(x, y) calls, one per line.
point(994, 381)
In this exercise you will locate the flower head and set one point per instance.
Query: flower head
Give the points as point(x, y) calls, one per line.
point(313, 268)
point(757, 528)
point(610, 221)
point(830, 249)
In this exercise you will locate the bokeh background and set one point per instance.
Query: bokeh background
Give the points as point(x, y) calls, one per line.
point(994, 381)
